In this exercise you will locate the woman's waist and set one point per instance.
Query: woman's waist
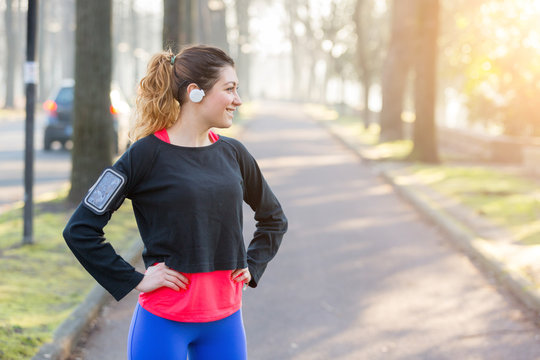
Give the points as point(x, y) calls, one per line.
point(209, 294)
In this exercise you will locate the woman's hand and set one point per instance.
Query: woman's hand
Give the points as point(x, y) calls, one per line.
point(241, 275)
point(161, 275)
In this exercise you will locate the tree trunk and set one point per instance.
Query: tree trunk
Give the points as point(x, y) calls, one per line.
point(133, 40)
point(11, 55)
point(312, 96)
point(424, 136)
point(67, 38)
point(396, 68)
point(243, 58)
point(295, 53)
point(171, 25)
point(186, 36)
point(92, 121)
point(205, 22)
point(43, 75)
point(195, 19)
point(361, 56)
point(366, 81)
point(218, 26)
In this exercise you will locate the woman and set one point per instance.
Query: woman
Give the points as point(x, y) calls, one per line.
point(186, 185)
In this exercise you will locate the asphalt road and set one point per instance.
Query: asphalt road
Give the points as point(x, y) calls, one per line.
point(359, 275)
point(51, 169)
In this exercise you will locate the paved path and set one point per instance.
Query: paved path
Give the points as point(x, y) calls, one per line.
point(360, 275)
point(51, 168)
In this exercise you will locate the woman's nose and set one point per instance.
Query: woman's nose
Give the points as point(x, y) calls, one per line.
point(237, 100)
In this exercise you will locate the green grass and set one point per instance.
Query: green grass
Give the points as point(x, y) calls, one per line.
point(352, 127)
point(11, 113)
point(389, 151)
point(508, 200)
point(42, 283)
point(355, 127)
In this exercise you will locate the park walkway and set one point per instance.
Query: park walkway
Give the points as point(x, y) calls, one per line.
point(360, 274)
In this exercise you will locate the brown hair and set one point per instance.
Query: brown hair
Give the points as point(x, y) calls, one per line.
point(162, 91)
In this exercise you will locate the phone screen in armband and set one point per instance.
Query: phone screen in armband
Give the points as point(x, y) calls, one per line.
point(105, 191)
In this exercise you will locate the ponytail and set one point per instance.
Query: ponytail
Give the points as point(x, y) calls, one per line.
point(155, 107)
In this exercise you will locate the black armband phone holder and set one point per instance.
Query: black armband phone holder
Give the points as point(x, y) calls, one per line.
point(107, 193)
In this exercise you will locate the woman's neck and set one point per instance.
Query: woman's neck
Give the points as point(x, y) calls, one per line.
point(187, 131)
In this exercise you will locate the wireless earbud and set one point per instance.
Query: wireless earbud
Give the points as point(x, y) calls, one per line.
point(196, 95)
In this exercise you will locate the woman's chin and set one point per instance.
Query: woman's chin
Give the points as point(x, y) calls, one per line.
point(224, 125)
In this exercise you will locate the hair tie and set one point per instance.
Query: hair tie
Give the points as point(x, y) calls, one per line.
point(172, 59)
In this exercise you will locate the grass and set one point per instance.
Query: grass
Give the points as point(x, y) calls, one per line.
point(11, 113)
point(355, 127)
point(352, 129)
point(42, 283)
point(507, 199)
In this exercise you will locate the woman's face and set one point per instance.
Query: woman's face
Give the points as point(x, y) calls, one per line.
point(220, 102)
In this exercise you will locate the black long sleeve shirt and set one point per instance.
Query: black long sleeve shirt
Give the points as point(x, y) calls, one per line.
point(187, 203)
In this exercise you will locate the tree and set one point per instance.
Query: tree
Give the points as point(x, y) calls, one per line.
point(397, 65)
point(171, 25)
point(292, 10)
point(92, 121)
point(42, 83)
point(243, 56)
point(66, 38)
point(492, 59)
point(11, 54)
point(217, 33)
point(370, 40)
point(424, 136)
point(187, 10)
point(312, 52)
point(319, 35)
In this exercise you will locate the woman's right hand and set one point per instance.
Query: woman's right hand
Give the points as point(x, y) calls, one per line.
point(160, 275)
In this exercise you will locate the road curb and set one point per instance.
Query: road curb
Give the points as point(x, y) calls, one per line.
point(464, 237)
point(475, 247)
point(67, 335)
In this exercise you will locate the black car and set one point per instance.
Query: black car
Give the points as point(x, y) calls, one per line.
point(59, 122)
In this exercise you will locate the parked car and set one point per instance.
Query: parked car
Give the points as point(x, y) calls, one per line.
point(59, 112)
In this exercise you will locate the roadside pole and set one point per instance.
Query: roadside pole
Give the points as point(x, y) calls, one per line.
point(30, 80)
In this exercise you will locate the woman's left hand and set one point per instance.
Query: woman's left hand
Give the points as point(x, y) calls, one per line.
point(241, 275)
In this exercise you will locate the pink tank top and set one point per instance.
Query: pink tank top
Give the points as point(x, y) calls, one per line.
point(210, 296)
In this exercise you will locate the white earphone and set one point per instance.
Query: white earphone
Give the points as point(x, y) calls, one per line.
point(196, 95)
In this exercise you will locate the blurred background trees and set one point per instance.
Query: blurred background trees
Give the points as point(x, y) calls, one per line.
point(360, 56)
point(491, 53)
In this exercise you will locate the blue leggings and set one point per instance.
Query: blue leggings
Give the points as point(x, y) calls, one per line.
point(153, 337)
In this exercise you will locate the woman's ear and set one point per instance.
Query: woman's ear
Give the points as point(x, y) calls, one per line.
point(194, 93)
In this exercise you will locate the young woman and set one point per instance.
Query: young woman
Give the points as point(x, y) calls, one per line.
point(187, 185)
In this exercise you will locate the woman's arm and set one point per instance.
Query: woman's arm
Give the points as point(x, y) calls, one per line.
point(271, 223)
point(84, 231)
point(85, 237)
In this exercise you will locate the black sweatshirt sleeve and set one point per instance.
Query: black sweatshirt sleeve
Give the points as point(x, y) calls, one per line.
point(271, 223)
point(85, 237)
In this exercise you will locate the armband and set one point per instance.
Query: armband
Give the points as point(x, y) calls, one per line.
point(106, 194)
